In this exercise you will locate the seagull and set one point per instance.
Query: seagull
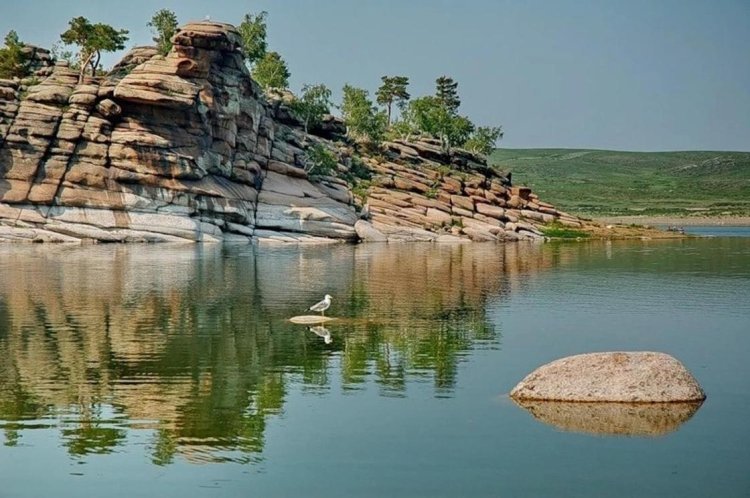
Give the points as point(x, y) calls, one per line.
point(323, 332)
point(322, 306)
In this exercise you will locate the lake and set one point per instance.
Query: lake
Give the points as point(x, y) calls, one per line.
point(156, 370)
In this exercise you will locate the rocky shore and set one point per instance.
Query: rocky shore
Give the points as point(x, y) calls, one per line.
point(186, 147)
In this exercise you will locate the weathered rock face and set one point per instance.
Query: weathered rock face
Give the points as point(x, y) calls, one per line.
point(181, 147)
point(186, 147)
point(422, 193)
point(624, 377)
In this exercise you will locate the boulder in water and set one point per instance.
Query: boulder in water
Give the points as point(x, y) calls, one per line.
point(624, 377)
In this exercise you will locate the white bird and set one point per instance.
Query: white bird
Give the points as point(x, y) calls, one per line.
point(323, 305)
point(323, 332)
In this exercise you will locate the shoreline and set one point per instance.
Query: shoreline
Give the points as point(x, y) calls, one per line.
point(679, 221)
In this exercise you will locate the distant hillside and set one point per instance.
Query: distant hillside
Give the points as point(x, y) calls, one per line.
point(602, 182)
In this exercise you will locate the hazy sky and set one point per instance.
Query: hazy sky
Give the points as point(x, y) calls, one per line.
point(620, 74)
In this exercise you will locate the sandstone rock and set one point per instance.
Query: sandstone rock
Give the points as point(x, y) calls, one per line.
point(479, 235)
point(491, 211)
point(109, 108)
point(451, 185)
point(368, 233)
point(438, 217)
point(461, 212)
point(516, 202)
point(185, 147)
point(627, 377)
point(462, 202)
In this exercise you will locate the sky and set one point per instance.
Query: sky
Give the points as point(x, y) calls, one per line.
point(608, 74)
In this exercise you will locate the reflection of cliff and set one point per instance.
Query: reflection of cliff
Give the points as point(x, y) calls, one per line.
point(193, 343)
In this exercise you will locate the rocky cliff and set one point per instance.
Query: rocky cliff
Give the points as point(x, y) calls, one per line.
point(186, 147)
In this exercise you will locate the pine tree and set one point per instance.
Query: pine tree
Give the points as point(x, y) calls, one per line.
point(446, 92)
point(393, 90)
point(12, 61)
point(92, 40)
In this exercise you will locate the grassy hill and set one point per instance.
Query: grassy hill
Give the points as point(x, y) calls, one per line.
point(602, 182)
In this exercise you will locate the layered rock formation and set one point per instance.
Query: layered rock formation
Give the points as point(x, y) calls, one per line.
point(186, 147)
point(422, 193)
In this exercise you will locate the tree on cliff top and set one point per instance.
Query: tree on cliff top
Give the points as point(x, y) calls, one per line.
point(446, 91)
point(12, 60)
point(252, 29)
point(92, 40)
point(393, 90)
point(362, 119)
point(164, 25)
point(430, 115)
point(271, 71)
point(483, 139)
point(312, 105)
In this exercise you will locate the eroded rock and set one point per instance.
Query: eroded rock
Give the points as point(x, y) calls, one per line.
point(187, 147)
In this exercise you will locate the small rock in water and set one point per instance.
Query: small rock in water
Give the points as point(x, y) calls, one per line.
point(626, 377)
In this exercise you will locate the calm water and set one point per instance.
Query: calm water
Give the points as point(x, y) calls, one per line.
point(174, 371)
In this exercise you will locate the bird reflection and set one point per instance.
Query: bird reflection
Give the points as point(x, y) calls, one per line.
point(323, 332)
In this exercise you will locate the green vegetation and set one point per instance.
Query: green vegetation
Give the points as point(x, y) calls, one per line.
point(320, 161)
point(435, 116)
point(607, 183)
point(312, 105)
point(271, 71)
point(483, 140)
point(360, 190)
point(164, 25)
point(393, 90)
point(252, 29)
point(429, 115)
point(362, 118)
point(92, 40)
point(446, 92)
point(556, 230)
point(12, 60)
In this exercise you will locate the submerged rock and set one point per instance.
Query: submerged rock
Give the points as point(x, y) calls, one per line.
point(625, 377)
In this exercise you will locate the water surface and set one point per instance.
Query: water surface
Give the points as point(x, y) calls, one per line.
point(174, 371)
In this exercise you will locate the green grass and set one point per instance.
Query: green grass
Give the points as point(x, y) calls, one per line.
point(601, 182)
point(558, 231)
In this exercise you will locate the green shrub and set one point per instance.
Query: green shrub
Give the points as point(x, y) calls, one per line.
point(361, 188)
point(320, 161)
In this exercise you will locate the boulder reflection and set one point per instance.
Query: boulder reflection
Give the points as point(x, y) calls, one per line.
point(614, 419)
point(192, 343)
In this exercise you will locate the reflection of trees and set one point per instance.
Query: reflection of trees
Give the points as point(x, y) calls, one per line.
point(192, 342)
